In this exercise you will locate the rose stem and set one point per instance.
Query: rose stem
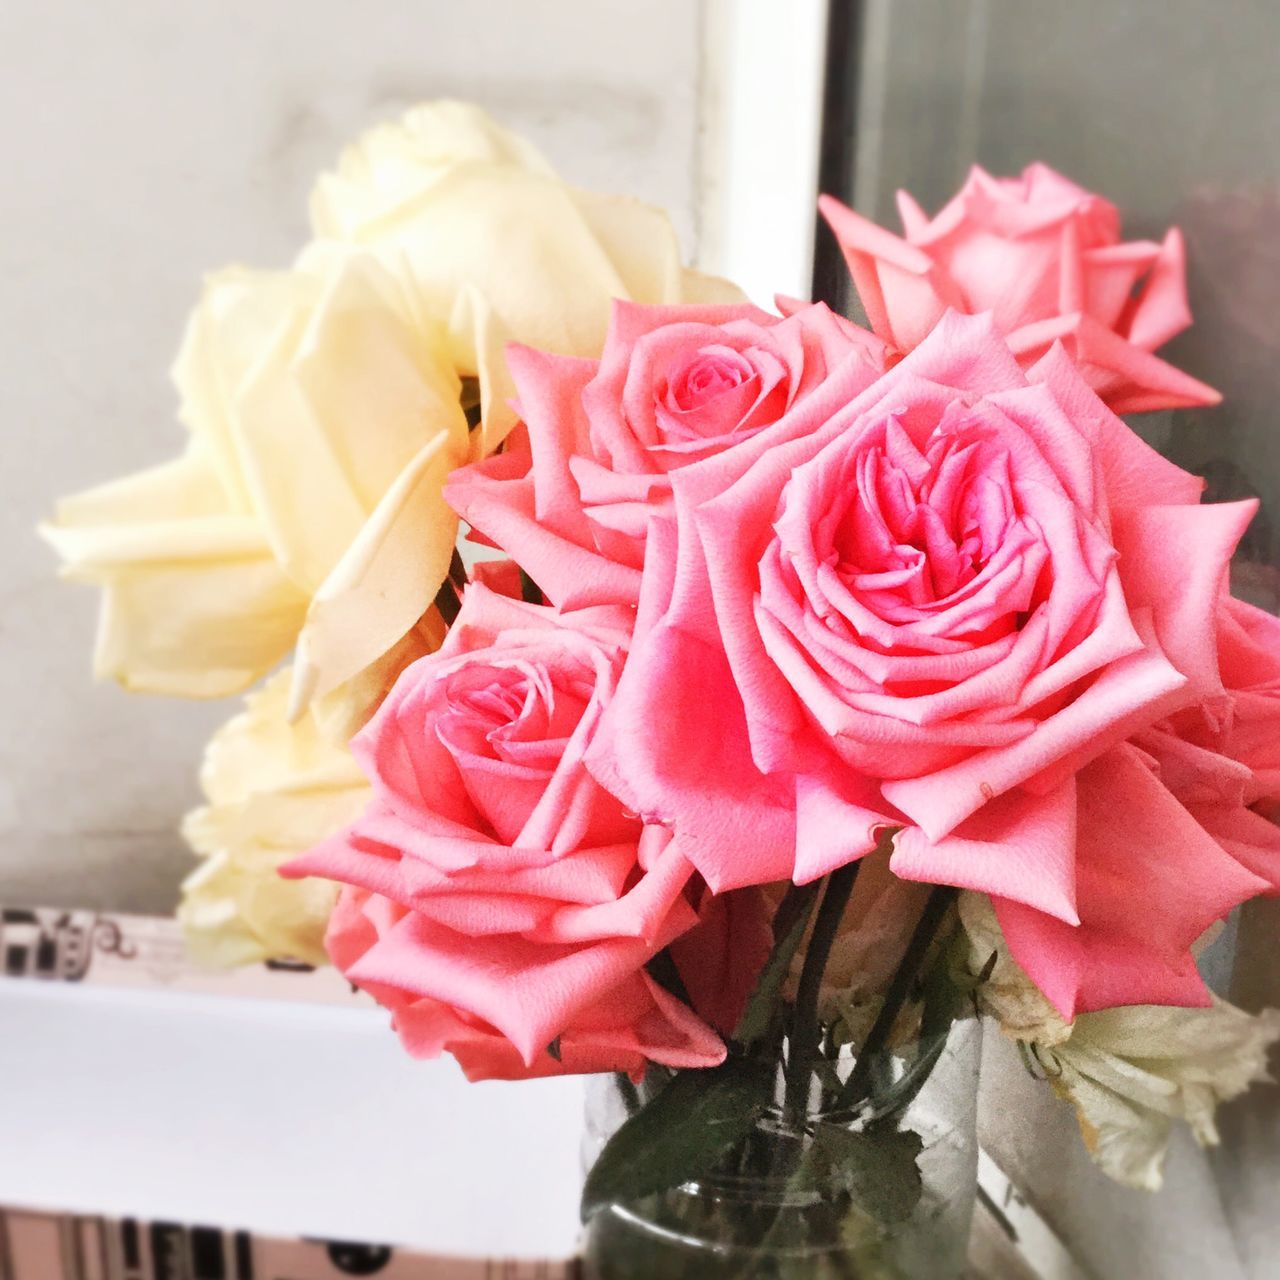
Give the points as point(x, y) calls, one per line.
point(447, 602)
point(457, 571)
point(935, 909)
point(805, 1032)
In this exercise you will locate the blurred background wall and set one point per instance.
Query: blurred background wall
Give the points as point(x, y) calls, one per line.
point(147, 143)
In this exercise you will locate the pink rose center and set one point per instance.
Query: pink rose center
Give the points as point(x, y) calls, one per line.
point(918, 534)
point(924, 549)
point(709, 394)
point(708, 374)
point(520, 713)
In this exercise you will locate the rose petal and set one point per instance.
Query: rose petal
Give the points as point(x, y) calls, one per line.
point(1135, 843)
point(1021, 846)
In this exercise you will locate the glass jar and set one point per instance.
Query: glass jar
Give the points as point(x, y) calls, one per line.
point(881, 1192)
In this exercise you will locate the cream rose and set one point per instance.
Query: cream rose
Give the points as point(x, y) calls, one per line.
point(274, 789)
point(323, 416)
point(468, 208)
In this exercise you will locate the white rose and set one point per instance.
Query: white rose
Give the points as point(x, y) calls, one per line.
point(324, 417)
point(274, 790)
point(1131, 1072)
point(459, 203)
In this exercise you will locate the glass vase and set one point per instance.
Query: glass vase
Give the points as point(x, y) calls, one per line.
point(881, 1191)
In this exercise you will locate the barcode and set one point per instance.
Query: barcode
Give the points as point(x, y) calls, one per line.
point(43, 1246)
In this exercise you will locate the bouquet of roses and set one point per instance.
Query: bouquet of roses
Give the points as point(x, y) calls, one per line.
point(817, 687)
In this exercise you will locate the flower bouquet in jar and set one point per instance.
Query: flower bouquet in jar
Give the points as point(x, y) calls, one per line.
point(805, 689)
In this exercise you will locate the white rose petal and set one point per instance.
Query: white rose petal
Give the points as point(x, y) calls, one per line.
point(274, 790)
point(1130, 1073)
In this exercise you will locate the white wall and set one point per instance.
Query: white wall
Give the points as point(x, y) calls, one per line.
point(146, 142)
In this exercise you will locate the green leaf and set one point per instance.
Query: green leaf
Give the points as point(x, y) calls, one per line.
point(877, 1168)
point(681, 1134)
point(894, 1096)
point(789, 926)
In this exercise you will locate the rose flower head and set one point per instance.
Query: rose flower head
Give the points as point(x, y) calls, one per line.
point(272, 790)
point(572, 495)
point(458, 205)
point(324, 410)
point(286, 518)
point(1045, 257)
point(500, 902)
point(1130, 1073)
point(1222, 758)
point(943, 605)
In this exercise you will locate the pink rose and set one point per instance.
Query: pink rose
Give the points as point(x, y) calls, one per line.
point(572, 498)
point(968, 586)
point(1249, 651)
point(1229, 750)
point(1045, 257)
point(1219, 758)
point(501, 900)
point(1222, 760)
